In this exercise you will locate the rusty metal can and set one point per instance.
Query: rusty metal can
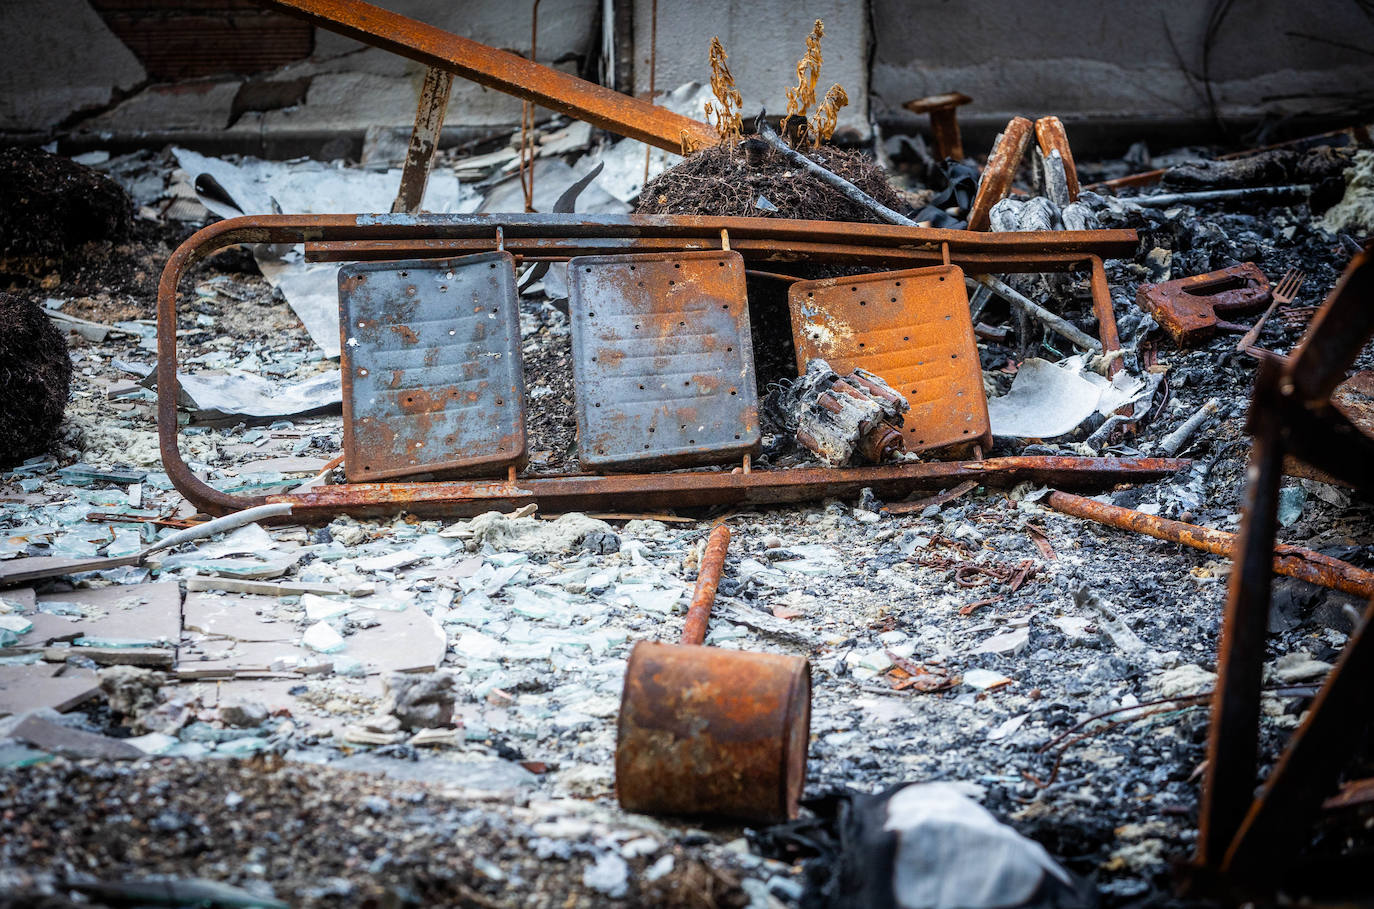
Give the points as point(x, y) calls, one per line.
point(705, 731)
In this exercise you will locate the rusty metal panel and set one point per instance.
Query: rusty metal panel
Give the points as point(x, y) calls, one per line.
point(662, 360)
point(910, 327)
point(1190, 309)
point(431, 364)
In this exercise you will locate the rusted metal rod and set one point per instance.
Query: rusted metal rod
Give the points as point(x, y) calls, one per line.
point(1291, 561)
point(708, 579)
point(424, 140)
point(503, 71)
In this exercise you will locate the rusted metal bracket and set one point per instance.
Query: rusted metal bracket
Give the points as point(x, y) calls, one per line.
point(1246, 844)
point(506, 72)
point(523, 234)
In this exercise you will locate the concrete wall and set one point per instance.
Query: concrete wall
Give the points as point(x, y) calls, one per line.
point(1086, 60)
point(764, 39)
point(56, 57)
point(1090, 63)
point(53, 67)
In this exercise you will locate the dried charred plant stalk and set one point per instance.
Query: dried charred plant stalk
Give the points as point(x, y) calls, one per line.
point(800, 99)
point(726, 110)
point(822, 126)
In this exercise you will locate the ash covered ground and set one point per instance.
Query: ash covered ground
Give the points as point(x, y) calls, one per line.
point(1008, 600)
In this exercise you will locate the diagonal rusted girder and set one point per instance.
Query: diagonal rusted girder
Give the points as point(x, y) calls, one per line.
point(503, 71)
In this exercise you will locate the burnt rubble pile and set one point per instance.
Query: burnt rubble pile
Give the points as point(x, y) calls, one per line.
point(326, 597)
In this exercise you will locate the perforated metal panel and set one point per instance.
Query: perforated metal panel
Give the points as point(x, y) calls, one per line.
point(662, 360)
point(432, 374)
point(910, 327)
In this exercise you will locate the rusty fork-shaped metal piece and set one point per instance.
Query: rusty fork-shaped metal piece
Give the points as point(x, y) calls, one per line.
point(1283, 294)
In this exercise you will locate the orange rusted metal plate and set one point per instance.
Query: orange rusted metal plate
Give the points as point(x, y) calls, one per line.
point(1188, 308)
point(662, 360)
point(704, 731)
point(432, 375)
point(913, 329)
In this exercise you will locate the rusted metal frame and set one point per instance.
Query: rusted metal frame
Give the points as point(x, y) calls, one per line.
point(504, 71)
point(1290, 561)
point(424, 140)
point(561, 249)
point(775, 486)
point(1307, 771)
point(1233, 736)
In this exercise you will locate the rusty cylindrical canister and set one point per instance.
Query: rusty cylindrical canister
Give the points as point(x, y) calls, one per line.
point(705, 731)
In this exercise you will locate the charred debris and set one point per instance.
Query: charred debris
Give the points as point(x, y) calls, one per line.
point(804, 527)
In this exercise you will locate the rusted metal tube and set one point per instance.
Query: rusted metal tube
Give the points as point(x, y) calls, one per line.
point(1291, 561)
point(424, 140)
point(708, 579)
point(705, 731)
point(503, 71)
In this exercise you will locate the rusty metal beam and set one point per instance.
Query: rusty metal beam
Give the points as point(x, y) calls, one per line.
point(503, 71)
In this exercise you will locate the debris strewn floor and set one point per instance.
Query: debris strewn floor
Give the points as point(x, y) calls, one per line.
point(984, 639)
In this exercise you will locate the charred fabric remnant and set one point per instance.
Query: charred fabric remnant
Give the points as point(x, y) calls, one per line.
point(849, 420)
point(51, 206)
point(36, 376)
point(752, 180)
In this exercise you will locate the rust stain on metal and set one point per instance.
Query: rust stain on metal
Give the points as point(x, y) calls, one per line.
point(1051, 136)
point(1187, 308)
point(912, 329)
point(453, 402)
point(662, 359)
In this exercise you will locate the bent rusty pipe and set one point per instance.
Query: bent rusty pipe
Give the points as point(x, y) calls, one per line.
point(1290, 561)
point(708, 579)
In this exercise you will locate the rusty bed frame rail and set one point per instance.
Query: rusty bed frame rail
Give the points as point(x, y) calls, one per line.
point(561, 236)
